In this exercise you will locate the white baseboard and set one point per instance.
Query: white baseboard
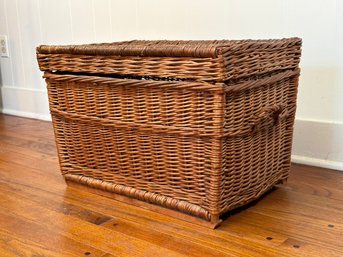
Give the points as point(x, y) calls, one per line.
point(25, 102)
point(27, 114)
point(318, 143)
point(317, 162)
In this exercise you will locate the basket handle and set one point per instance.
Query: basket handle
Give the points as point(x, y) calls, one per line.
point(269, 117)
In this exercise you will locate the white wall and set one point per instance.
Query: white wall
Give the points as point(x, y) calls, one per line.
point(319, 127)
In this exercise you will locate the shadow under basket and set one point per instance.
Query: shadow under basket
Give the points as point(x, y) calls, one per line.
point(191, 129)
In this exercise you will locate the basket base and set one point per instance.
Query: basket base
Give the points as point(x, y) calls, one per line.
point(152, 207)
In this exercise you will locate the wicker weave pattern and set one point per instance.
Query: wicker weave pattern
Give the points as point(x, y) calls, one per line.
point(230, 59)
point(198, 146)
point(136, 161)
point(165, 105)
point(259, 156)
point(201, 69)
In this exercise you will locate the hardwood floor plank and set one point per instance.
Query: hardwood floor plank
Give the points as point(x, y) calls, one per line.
point(317, 176)
point(311, 188)
point(304, 206)
point(11, 246)
point(46, 166)
point(39, 237)
point(36, 146)
point(266, 226)
point(81, 227)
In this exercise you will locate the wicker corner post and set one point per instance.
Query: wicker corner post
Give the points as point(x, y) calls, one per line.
point(192, 129)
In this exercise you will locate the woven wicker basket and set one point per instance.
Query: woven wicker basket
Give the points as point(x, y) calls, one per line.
point(194, 127)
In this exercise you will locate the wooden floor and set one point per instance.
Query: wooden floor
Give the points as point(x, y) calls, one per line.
point(40, 216)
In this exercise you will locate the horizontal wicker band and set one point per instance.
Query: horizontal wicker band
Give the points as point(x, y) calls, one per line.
point(232, 87)
point(160, 129)
point(167, 48)
point(146, 196)
point(189, 85)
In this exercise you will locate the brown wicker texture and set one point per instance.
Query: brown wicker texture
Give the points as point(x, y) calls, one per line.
point(201, 127)
point(196, 60)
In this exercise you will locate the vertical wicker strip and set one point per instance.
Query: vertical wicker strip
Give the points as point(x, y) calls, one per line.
point(216, 169)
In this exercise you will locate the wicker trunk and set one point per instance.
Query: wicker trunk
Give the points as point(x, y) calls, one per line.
point(194, 127)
